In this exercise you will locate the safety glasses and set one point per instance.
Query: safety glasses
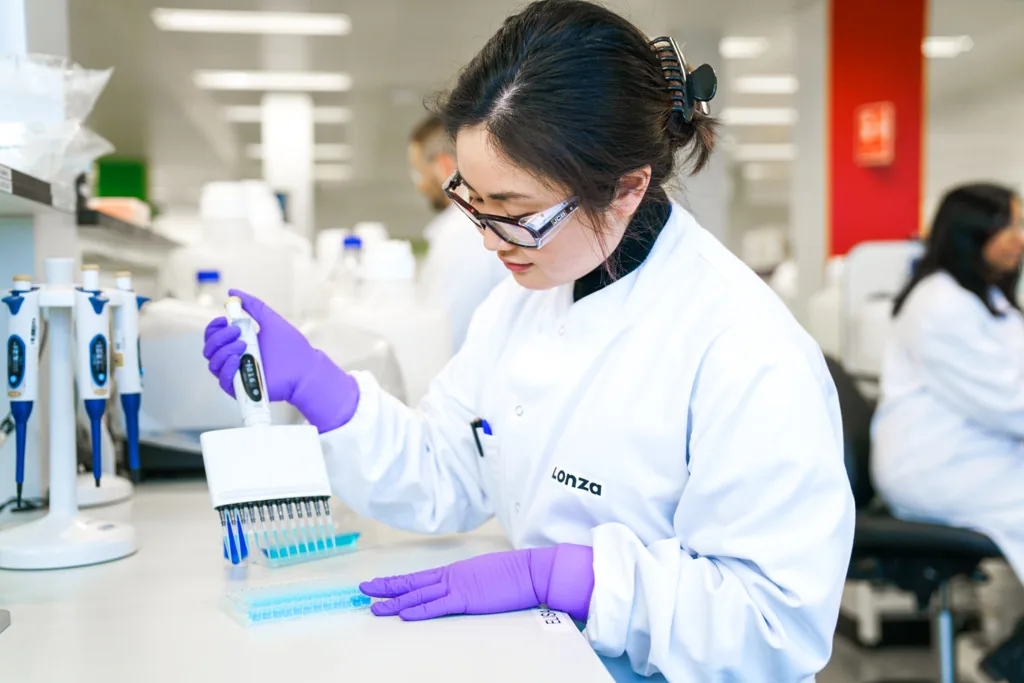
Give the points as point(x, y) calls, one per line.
point(531, 231)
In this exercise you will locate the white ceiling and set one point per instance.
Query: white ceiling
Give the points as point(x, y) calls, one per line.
point(400, 51)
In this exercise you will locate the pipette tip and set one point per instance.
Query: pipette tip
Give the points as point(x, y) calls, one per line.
point(136, 475)
point(20, 487)
point(97, 482)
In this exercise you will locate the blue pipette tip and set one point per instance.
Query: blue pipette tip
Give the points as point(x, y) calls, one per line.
point(20, 411)
point(241, 540)
point(131, 404)
point(94, 408)
point(231, 545)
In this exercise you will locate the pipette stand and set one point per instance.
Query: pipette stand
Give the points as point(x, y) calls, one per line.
point(112, 488)
point(63, 538)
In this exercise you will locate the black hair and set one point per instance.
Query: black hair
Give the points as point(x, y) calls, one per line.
point(968, 217)
point(575, 93)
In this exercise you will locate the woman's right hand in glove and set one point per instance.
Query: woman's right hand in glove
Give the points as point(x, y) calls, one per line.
point(305, 377)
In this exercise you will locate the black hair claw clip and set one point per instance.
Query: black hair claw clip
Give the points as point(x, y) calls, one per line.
point(690, 89)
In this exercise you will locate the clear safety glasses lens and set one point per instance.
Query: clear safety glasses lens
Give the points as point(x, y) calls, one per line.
point(531, 232)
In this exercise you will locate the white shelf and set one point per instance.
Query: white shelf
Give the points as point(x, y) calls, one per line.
point(115, 243)
point(23, 196)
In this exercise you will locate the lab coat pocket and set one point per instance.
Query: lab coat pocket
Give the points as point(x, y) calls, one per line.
point(491, 467)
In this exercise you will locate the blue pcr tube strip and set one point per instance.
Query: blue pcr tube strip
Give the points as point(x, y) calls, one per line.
point(267, 604)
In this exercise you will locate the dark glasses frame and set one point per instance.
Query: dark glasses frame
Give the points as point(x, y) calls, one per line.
point(539, 227)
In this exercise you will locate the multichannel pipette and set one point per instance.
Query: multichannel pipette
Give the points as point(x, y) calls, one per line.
point(252, 606)
point(92, 350)
point(128, 364)
point(22, 364)
point(268, 483)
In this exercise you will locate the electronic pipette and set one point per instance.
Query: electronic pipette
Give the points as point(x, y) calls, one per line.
point(22, 364)
point(92, 347)
point(128, 364)
point(268, 483)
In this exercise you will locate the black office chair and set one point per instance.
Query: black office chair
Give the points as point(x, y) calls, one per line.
point(916, 557)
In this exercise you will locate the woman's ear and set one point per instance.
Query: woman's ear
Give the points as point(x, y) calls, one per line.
point(631, 190)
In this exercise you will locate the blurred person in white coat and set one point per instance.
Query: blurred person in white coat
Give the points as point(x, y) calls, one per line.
point(658, 437)
point(948, 436)
point(458, 272)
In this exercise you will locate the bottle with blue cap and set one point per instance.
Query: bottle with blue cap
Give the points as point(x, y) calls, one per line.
point(345, 274)
point(208, 288)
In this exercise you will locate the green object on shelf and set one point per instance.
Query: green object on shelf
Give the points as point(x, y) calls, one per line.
point(122, 177)
point(419, 247)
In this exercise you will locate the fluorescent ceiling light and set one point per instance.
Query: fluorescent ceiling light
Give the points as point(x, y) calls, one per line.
point(946, 47)
point(321, 152)
point(296, 81)
point(280, 23)
point(742, 47)
point(766, 85)
point(244, 113)
point(765, 152)
point(332, 173)
point(332, 114)
point(254, 114)
point(759, 116)
point(760, 171)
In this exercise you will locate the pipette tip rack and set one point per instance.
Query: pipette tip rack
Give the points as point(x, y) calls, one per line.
point(282, 532)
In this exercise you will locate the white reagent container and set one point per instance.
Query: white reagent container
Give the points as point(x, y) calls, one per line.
point(387, 305)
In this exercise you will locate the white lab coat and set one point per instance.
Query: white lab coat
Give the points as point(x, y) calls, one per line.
point(948, 437)
point(679, 421)
point(458, 272)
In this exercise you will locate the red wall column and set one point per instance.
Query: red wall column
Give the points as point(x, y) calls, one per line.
point(876, 57)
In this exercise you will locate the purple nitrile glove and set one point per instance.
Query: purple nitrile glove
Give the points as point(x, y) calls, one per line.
point(561, 577)
point(305, 377)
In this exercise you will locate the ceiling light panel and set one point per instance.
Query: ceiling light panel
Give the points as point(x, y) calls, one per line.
point(254, 114)
point(743, 47)
point(333, 173)
point(759, 116)
point(946, 47)
point(765, 152)
point(766, 85)
point(276, 23)
point(321, 152)
point(289, 81)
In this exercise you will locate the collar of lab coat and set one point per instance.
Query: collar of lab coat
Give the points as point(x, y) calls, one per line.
point(998, 300)
point(608, 311)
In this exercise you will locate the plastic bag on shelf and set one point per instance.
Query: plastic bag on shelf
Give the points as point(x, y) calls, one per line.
point(86, 147)
point(43, 102)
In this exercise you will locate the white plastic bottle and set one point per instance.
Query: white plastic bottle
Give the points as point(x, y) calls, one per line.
point(387, 305)
point(345, 273)
point(208, 288)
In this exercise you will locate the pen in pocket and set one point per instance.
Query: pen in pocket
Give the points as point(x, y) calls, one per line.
point(480, 424)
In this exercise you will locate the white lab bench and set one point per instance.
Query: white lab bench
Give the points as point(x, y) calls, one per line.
point(156, 617)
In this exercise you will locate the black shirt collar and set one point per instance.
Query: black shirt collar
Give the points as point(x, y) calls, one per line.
point(637, 242)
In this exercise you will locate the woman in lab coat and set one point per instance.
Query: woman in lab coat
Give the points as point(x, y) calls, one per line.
point(658, 437)
point(948, 432)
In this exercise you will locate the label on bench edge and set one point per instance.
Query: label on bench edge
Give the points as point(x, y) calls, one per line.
point(555, 621)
